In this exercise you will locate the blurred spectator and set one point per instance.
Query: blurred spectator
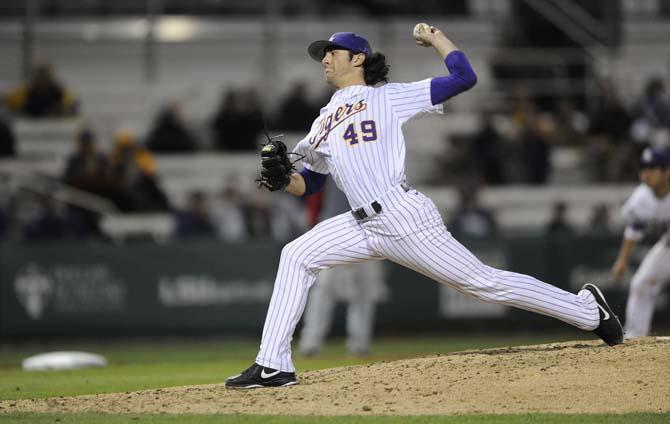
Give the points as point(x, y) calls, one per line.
point(487, 151)
point(223, 122)
point(522, 107)
point(133, 175)
point(471, 219)
point(652, 121)
point(610, 118)
point(535, 149)
point(238, 122)
point(570, 124)
point(609, 155)
point(49, 224)
point(88, 170)
point(273, 215)
point(531, 134)
point(454, 164)
point(194, 221)
point(169, 133)
point(258, 211)
point(289, 218)
point(43, 96)
point(7, 138)
point(558, 224)
point(599, 222)
point(296, 113)
point(228, 214)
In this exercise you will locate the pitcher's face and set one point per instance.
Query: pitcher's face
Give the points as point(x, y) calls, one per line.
point(339, 66)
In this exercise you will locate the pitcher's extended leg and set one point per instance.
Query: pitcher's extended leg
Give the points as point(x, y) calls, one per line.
point(433, 252)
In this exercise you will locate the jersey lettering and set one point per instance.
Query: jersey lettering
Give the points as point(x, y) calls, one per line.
point(331, 121)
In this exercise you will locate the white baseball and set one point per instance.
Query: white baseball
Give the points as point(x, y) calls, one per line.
point(419, 28)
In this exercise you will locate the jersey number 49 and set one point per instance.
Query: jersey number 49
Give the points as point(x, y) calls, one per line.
point(368, 132)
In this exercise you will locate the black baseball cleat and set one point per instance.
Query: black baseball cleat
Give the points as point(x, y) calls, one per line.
point(609, 329)
point(257, 376)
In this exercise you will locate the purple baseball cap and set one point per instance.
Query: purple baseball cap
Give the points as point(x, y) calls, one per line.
point(344, 40)
point(654, 158)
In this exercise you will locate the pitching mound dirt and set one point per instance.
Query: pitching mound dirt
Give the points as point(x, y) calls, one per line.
point(573, 377)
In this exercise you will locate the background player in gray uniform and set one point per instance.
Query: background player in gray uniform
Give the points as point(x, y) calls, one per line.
point(648, 208)
point(358, 140)
point(360, 286)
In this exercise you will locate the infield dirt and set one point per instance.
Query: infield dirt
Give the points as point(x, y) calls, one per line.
point(572, 377)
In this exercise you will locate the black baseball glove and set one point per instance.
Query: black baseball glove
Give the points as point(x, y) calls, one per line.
point(276, 167)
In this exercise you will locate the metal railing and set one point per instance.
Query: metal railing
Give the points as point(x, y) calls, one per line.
point(48, 186)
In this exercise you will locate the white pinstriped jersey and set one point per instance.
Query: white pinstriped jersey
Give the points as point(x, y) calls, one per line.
point(358, 137)
point(644, 209)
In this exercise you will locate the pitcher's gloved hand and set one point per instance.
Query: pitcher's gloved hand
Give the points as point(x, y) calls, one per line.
point(276, 168)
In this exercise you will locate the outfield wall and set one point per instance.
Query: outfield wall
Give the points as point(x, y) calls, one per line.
point(221, 289)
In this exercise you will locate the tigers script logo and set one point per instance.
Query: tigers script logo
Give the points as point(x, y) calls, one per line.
point(331, 121)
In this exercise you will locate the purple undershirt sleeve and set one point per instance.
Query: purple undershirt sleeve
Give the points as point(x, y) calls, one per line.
point(314, 181)
point(461, 77)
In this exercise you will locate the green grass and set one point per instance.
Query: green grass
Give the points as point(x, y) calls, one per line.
point(254, 419)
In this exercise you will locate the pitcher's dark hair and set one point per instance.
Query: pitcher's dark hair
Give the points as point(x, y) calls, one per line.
point(375, 68)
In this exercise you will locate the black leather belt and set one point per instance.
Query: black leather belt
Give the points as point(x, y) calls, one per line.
point(360, 213)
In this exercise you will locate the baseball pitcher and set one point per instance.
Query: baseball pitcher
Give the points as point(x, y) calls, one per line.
point(358, 140)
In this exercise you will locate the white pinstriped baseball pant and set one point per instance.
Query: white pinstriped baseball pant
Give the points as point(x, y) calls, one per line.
point(409, 231)
point(650, 278)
